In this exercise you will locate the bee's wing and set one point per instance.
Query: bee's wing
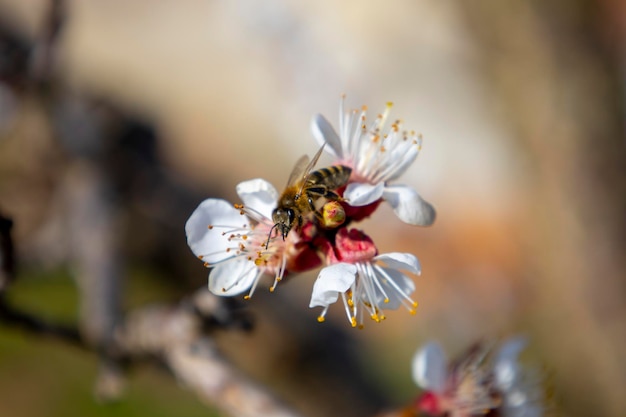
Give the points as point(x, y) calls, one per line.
point(309, 167)
point(299, 171)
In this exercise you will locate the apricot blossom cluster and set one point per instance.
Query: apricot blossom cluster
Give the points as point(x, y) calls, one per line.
point(232, 240)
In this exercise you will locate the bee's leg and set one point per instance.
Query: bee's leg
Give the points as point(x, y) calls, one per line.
point(333, 196)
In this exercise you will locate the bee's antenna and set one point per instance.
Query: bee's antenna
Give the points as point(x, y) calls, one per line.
point(269, 236)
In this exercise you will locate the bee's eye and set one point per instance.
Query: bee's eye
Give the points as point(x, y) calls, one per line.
point(291, 214)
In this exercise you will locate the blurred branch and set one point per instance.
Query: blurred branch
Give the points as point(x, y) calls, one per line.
point(174, 334)
point(13, 317)
point(7, 260)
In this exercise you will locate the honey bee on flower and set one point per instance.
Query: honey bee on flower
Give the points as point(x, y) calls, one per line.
point(307, 225)
point(303, 189)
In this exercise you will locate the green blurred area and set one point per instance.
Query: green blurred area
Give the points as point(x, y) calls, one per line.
point(43, 377)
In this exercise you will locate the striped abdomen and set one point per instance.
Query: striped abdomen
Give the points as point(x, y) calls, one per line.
point(332, 177)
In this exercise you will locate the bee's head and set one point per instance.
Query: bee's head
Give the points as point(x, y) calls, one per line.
point(283, 220)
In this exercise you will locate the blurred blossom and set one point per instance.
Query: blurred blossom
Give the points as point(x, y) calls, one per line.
point(481, 382)
point(377, 153)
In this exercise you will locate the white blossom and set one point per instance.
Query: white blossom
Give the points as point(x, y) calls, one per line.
point(378, 154)
point(231, 239)
point(366, 287)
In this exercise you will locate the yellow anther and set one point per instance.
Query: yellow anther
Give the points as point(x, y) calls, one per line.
point(321, 319)
point(200, 257)
point(246, 297)
point(353, 321)
point(412, 312)
point(272, 288)
point(206, 265)
point(386, 300)
point(414, 304)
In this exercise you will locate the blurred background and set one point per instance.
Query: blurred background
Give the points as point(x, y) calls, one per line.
point(118, 117)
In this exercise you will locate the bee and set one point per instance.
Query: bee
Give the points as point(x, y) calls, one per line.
point(303, 189)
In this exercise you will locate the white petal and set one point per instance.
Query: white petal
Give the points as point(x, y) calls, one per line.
point(259, 195)
point(405, 161)
point(395, 294)
point(398, 260)
point(361, 194)
point(232, 277)
point(506, 368)
point(429, 368)
point(324, 133)
point(210, 243)
point(331, 281)
point(409, 206)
